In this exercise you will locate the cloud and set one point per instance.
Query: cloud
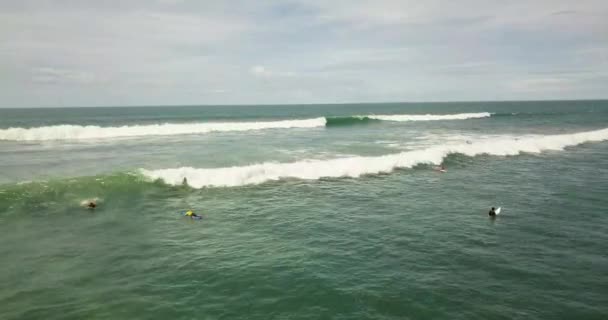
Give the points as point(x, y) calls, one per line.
point(258, 70)
point(263, 72)
point(193, 52)
point(60, 76)
point(542, 84)
point(563, 12)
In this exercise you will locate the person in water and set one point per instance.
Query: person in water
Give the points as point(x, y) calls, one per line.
point(492, 212)
point(185, 182)
point(91, 205)
point(191, 214)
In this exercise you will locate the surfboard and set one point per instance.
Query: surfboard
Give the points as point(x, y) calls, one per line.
point(497, 210)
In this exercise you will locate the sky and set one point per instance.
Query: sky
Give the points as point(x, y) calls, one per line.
point(171, 52)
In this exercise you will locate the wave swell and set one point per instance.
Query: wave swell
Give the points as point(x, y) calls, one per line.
point(355, 120)
point(77, 132)
point(431, 117)
point(358, 166)
point(348, 121)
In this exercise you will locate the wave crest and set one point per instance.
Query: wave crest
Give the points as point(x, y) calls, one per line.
point(75, 132)
point(431, 117)
point(348, 121)
point(358, 166)
point(78, 132)
point(355, 120)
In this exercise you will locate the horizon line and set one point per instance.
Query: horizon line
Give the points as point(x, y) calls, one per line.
point(304, 104)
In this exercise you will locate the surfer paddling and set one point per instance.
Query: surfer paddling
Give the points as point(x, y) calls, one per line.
point(191, 214)
point(492, 212)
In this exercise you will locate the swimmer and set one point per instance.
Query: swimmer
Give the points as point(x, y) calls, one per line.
point(91, 205)
point(191, 214)
point(492, 212)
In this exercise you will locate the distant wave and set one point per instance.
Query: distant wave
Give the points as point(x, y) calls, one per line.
point(358, 166)
point(365, 119)
point(431, 117)
point(348, 121)
point(75, 132)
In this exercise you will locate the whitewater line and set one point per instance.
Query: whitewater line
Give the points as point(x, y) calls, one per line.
point(358, 166)
point(75, 132)
point(430, 117)
point(78, 132)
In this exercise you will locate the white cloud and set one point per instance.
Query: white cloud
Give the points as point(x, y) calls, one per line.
point(61, 76)
point(258, 70)
point(542, 85)
point(191, 52)
point(263, 72)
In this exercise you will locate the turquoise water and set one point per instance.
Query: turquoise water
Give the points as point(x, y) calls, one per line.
point(313, 214)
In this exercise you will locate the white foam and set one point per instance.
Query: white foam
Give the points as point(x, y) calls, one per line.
point(357, 166)
point(75, 132)
point(430, 117)
point(86, 202)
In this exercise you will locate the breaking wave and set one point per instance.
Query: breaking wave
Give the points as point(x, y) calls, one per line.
point(78, 132)
point(75, 132)
point(430, 117)
point(358, 166)
point(354, 120)
point(349, 121)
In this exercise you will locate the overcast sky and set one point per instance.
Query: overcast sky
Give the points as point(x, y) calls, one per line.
point(167, 52)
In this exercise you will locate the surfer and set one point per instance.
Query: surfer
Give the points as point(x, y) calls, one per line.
point(91, 205)
point(185, 182)
point(492, 212)
point(441, 168)
point(191, 214)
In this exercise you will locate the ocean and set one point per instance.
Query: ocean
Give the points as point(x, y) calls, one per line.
point(308, 211)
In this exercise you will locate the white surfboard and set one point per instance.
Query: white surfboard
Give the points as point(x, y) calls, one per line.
point(497, 210)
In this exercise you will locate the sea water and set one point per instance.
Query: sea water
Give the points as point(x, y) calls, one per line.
point(309, 211)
